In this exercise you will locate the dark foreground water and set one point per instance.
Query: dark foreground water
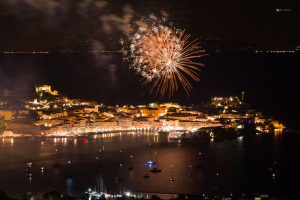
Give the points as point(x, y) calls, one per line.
point(242, 164)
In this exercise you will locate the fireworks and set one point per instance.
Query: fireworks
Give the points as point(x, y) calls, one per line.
point(162, 54)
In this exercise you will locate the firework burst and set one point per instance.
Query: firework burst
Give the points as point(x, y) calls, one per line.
point(162, 54)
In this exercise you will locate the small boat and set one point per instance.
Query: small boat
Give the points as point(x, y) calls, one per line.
point(130, 168)
point(56, 165)
point(120, 163)
point(146, 176)
point(171, 179)
point(27, 171)
point(216, 189)
point(175, 135)
point(163, 132)
point(99, 166)
point(198, 166)
point(155, 169)
point(43, 165)
point(118, 180)
point(150, 161)
point(30, 164)
point(68, 176)
point(27, 195)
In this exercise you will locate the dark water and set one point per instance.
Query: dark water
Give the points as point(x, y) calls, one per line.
point(242, 164)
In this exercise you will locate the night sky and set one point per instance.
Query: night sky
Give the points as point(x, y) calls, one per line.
point(269, 82)
point(55, 22)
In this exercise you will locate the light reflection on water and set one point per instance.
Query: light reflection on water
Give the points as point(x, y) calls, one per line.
point(69, 186)
point(240, 162)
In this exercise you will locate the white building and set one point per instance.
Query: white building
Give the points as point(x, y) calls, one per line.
point(125, 123)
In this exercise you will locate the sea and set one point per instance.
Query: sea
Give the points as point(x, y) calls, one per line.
point(258, 163)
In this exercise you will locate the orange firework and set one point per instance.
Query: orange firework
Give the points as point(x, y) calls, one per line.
point(163, 54)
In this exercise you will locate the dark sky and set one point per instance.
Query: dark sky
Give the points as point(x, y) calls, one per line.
point(44, 23)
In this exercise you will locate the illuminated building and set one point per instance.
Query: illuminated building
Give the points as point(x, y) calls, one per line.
point(107, 125)
point(22, 127)
point(218, 100)
point(46, 88)
point(91, 109)
point(231, 115)
point(122, 109)
point(153, 105)
point(169, 123)
point(59, 114)
point(191, 112)
point(9, 114)
point(181, 116)
point(194, 125)
point(232, 101)
point(125, 123)
point(157, 112)
point(147, 124)
point(169, 105)
point(75, 116)
point(8, 93)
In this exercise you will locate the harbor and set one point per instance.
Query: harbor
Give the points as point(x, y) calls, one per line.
point(80, 158)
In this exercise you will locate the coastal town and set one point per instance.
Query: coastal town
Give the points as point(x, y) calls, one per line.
point(48, 113)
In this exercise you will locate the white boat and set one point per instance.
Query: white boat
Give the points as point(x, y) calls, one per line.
point(175, 135)
point(30, 163)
